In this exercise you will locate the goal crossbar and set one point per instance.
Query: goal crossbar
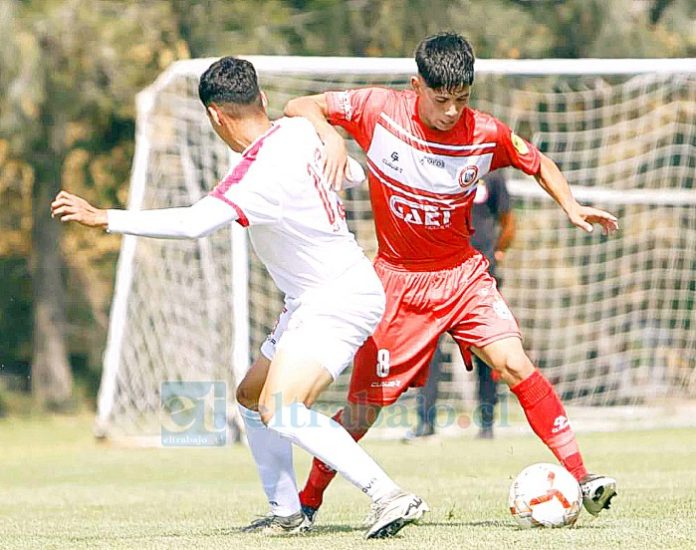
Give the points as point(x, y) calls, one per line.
point(400, 65)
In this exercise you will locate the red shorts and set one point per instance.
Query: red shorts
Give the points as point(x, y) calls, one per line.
point(463, 301)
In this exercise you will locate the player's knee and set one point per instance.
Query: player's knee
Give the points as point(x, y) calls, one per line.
point(270, 402)
point(515, 368)
point(358, 418)
point(247, 396)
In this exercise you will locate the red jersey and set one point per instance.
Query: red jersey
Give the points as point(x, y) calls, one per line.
point(423, 181)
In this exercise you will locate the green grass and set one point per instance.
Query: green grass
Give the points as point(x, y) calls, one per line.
point(59, 488)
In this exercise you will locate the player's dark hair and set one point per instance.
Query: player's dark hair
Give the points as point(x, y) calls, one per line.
point(445, 61)
point(230, 80)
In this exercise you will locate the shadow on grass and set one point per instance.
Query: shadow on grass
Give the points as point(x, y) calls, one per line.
point(501, 524)
point(317, 531)
point(333, 528)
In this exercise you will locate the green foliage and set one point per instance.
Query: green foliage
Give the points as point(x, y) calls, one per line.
point(497, 28)
point(70, 72)
point(620, 28)
point(15, 310)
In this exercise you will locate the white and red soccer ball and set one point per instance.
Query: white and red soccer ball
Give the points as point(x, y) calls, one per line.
point(545, 495)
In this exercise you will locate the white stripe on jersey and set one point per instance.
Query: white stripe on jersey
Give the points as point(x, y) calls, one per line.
point(439, 174)
point(409, 135)
point(376, 174)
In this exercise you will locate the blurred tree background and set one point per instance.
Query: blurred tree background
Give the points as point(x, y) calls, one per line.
point(69, 72)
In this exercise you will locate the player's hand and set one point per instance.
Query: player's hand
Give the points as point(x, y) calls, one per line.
point(335, 159)
point(71, 208)
point(499, 256)
point(585, 216)
point(353, 176)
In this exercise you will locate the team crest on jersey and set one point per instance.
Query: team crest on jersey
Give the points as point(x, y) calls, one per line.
point(467, 176)
point(519, 144)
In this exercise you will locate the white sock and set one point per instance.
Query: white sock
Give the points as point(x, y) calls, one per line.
point(324, 438)
point(273, 456)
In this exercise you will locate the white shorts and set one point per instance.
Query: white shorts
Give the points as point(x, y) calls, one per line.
point(330, 323)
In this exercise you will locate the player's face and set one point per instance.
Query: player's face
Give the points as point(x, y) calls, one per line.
point(440, 109)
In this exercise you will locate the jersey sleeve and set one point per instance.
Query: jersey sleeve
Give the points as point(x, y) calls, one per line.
point(357, 111)
point(512, 150)
point(254, 193)
point(191, 222)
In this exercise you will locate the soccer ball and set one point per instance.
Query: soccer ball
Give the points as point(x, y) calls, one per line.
point(545, 495)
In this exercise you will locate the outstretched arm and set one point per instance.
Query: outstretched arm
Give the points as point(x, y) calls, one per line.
point(190, 222)
point(315, 109)
point(555, 184)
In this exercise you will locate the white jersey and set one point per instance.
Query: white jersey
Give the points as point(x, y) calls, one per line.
point(333, 297)
point(296, 221)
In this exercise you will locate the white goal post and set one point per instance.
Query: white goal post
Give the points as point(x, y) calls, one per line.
point(610, 321)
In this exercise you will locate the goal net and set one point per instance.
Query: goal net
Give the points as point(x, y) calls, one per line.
point(610, 321)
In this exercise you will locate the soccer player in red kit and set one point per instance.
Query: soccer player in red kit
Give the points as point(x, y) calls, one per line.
point(426, 149)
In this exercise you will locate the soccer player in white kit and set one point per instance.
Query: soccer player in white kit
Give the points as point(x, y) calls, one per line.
point(334, 299)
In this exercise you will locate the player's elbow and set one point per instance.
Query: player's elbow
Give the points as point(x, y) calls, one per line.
point(548, 169)
point(200, 233)
point(194, 227)
point(291, 107)
point(306, 106)
point(194, 232)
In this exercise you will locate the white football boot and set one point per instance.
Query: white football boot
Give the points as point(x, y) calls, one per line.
point(393, 512)
point(597, 492)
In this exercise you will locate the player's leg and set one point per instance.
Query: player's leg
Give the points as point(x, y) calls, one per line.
point(395, 358)
point(322, 338)
point(273, 456)
point(357, 419)
point(541, 404)
point(546, 416)
point(485, 322)
point(294, 381)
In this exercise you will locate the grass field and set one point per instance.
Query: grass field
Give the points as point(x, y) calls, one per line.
point(61, 489)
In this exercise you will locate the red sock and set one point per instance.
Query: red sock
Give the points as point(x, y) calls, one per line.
point(321, 474)
point(548, 419)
